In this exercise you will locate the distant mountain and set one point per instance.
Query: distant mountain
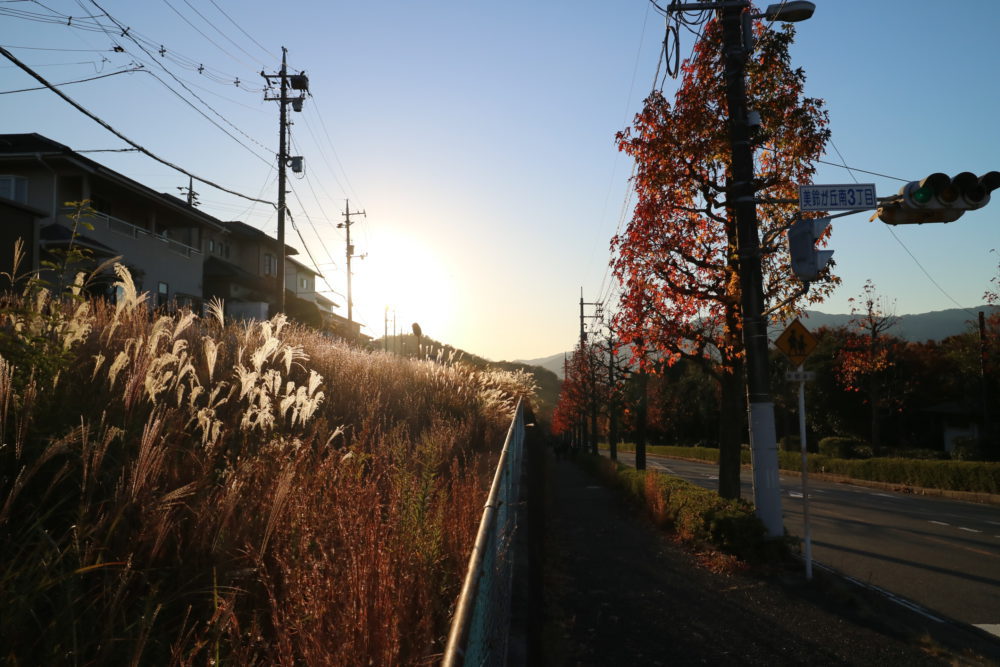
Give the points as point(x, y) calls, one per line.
point(553, 363)
point(919, 328)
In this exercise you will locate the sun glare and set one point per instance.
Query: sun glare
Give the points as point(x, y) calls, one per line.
point(407, 275)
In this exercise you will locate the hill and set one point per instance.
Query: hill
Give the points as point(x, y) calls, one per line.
point(917, 327)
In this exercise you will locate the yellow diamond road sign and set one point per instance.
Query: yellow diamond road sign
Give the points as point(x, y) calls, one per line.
point(796, 343)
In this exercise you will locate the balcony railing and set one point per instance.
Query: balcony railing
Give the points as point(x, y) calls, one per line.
point(119, 226)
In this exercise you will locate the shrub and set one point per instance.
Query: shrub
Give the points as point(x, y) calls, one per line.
point(844, 448)
point(968, 449)
point(789, 443)
point(694, 513)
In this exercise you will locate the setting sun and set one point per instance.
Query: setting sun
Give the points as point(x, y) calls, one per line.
point(406, 275)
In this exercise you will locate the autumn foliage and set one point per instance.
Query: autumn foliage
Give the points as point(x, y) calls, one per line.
point(677, 258)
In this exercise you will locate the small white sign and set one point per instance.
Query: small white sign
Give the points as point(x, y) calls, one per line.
point(800, 376)
point(849, 197)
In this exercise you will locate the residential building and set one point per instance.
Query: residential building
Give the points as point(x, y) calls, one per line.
point(159, 237)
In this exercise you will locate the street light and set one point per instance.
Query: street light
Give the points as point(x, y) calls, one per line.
point(789, 12)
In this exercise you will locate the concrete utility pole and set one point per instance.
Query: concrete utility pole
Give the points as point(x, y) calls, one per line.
point(349, 254)
point(985, 438)
point(740, 200)
point(612, 403)
point(592, 398)
point(296, 82)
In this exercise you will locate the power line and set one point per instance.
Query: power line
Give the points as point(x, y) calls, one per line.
point(227, 37)
point(7, 54)
point(125, 33)
point(67, 83)
point(223, 12)
point(93, 24)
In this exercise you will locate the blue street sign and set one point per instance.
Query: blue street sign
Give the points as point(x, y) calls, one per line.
point(850, 197)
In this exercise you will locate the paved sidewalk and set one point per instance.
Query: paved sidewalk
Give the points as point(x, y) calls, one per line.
point(619, 592)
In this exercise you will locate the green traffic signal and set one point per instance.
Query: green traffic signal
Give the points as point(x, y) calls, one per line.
point(922, 195)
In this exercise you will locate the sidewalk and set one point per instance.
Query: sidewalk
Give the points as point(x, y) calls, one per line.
point(619, 592)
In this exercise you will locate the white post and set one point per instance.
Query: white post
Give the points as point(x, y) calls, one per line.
point(805, 472)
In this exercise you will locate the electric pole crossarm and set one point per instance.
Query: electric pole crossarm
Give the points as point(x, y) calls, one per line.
point(297, 82)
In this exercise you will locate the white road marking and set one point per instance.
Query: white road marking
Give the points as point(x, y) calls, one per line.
point(969, 530)
point(992, 628)
point(795, 494)
point(941, 523)
point(883, 495)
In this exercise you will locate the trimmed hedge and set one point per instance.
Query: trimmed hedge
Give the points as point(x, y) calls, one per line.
point(694, 513)
point(972, 476)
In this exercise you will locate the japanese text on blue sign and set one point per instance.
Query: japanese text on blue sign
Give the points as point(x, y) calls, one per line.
point(859, 196)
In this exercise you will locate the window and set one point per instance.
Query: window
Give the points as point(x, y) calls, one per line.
point(303, 284)
point(15, 188)
point(270, 267)
point(162, 294)
point(211, 245)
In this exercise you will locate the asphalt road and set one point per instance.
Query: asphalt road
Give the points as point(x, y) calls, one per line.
point(942, 554)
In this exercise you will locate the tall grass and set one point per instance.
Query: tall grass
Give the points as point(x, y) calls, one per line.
point(178, 489)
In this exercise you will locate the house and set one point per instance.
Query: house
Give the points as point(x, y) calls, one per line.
point(174, 251)
point(159, 237)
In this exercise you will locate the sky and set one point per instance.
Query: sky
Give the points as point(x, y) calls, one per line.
point(478, 139)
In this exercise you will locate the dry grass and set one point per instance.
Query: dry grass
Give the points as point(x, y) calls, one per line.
point(179, 490)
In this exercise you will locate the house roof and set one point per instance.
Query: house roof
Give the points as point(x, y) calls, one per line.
point(56, 236)
point(246, 231)
point(34, 146)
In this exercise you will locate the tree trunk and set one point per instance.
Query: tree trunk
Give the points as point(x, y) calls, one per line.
point(640, 426)
point(731, 431)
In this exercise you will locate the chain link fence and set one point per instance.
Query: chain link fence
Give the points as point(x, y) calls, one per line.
point(481, 627)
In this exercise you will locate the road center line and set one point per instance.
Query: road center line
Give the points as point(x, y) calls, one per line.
point(940, 523)
point(969, 530)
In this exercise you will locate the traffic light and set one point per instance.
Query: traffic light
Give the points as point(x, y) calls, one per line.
point(939, 198)
point(808, 261)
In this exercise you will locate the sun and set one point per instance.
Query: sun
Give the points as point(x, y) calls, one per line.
point(408, 277)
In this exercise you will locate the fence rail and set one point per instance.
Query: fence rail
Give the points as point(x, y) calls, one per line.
point(481, 627)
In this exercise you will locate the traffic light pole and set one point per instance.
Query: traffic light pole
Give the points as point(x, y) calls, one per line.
point(740, 197)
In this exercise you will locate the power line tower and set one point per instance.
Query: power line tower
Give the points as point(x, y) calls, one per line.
point(349, 254)
point(299, 82)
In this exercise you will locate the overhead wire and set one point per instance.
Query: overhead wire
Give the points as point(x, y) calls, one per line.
point(68, 83)
point(38, 77)
point(125, 33)
point(93, 24)
point(248, 35)
point(891, 231)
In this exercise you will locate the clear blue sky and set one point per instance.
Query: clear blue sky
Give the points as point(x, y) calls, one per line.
point(479, 138)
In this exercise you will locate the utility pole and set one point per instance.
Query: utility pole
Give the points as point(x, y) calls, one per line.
point(985, 438)
point(346, 226)
point(296, 82)
point(612, 403)
point(385, 330)
point(740, 200)
point(190, 194)
point(586, 357)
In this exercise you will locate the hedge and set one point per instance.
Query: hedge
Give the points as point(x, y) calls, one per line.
point(972, 476)
point(695, 514)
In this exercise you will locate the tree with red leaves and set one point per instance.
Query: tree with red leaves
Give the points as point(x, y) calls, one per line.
point(677, 259)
